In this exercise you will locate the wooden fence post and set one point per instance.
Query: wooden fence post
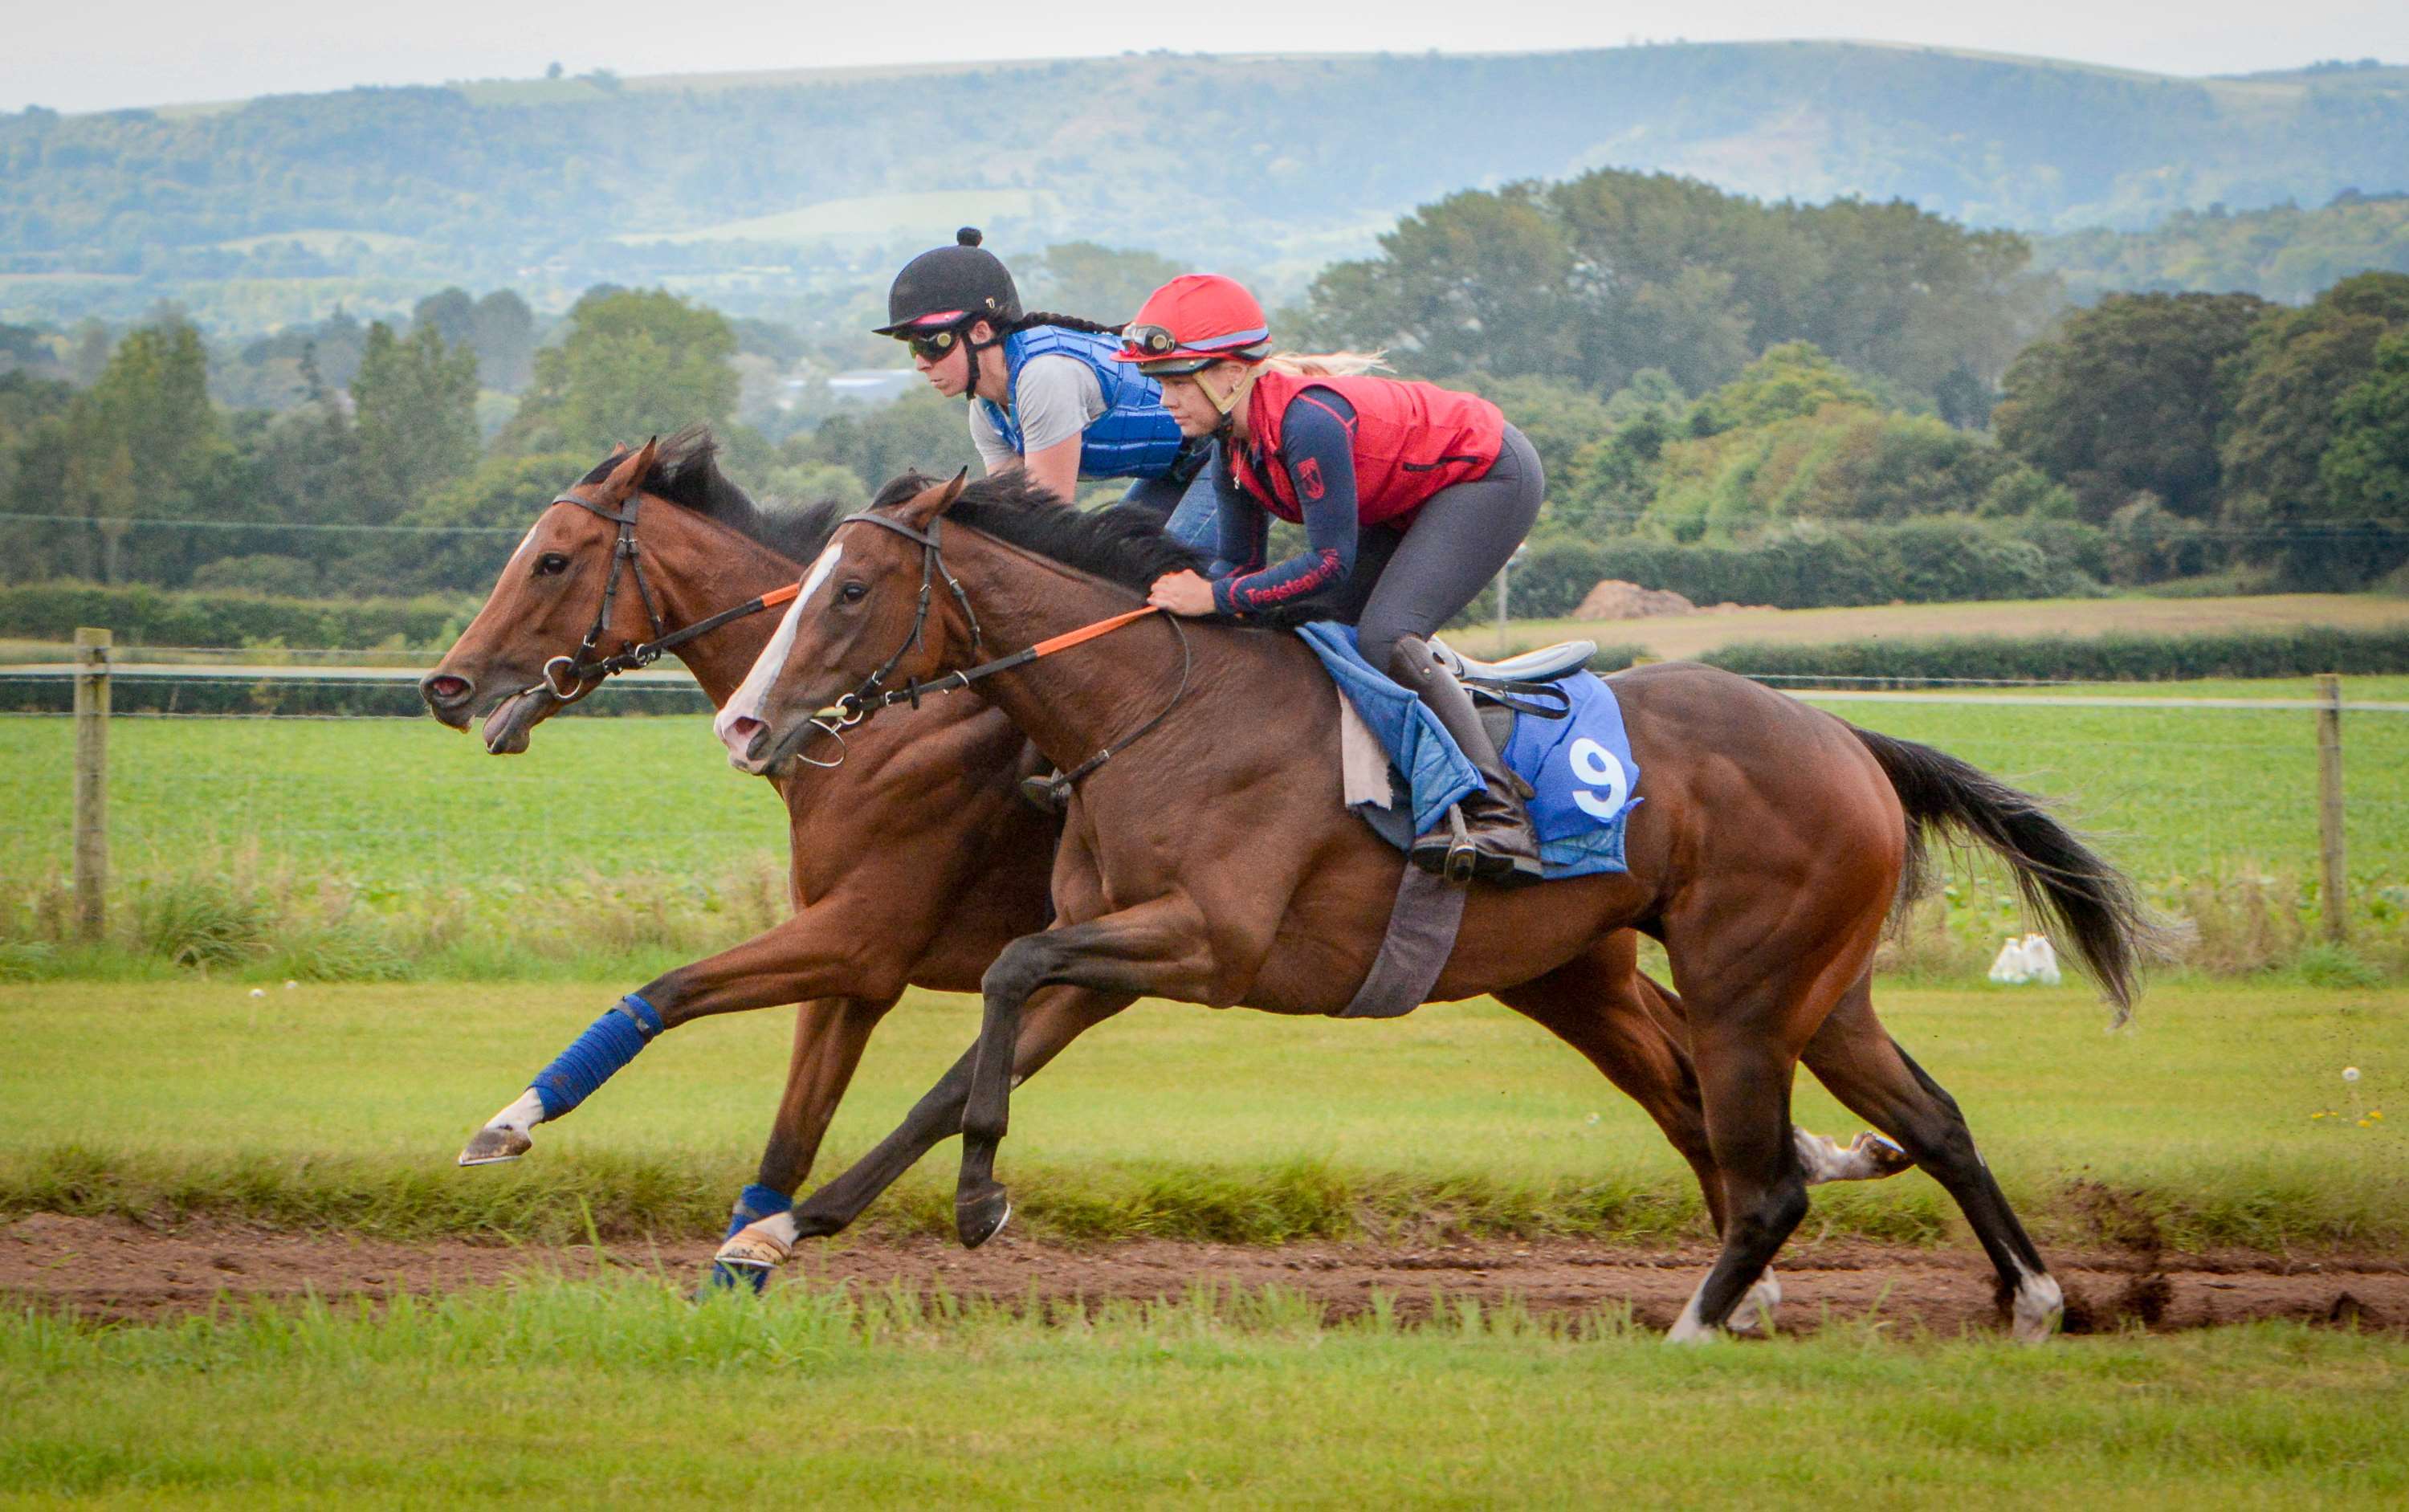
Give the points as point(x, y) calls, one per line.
point(2336, 902)
point(92, 650)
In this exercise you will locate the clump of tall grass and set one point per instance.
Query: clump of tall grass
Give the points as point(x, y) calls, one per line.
point(237, 916)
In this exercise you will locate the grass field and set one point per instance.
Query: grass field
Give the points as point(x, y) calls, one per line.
point(2174, 794)
point(1692, 634)
point(628, 1394)
point(343, 1106)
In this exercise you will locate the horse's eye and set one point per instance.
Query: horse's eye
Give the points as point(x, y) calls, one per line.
point(551, 565)
point(853, 593)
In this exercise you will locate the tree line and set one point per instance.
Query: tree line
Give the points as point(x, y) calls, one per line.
point(1788, 402)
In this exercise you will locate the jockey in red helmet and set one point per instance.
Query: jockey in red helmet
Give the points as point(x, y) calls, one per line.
point(1412, 497)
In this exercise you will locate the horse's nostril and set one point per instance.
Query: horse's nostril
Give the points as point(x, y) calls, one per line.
point(445, 688)
point(758, 746)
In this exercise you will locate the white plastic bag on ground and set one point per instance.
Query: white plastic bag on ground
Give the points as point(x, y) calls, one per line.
point(2029, 959)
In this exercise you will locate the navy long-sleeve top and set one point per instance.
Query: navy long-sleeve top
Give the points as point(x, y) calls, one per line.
point(1317, 437)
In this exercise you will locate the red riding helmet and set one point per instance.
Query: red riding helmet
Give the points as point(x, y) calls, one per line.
point(1193, 322)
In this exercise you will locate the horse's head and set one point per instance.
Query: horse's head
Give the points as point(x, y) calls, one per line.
point(874, 603)
point(553, 597)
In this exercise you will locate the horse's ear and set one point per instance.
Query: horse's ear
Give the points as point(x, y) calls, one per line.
point(933, 502)
point(629, 475)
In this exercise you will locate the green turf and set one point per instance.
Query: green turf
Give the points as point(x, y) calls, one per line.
point(343, 1106)
point(2173, 794)
point(624, 1394)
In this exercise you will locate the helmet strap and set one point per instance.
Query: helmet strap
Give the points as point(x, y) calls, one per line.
point(971, 347)
point(1225, 405)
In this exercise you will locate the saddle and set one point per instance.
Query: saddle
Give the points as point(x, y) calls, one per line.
point(1504, 691)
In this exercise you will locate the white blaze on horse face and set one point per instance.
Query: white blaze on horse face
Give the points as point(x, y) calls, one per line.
point(746, 705)
point(525, 542)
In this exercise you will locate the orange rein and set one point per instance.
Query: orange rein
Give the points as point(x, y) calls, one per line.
point(1089, 632)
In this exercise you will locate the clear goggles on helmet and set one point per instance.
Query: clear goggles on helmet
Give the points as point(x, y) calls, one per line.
point(1145, 341)
point(1151, 347)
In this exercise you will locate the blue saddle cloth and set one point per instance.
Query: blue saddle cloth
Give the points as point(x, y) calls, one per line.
point(1580, 767)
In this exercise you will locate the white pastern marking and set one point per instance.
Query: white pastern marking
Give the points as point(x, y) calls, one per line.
point(2039, 1306)
point(521, 1115)
point(749, 699)
point(1871, 1158)
point(1687, 1328)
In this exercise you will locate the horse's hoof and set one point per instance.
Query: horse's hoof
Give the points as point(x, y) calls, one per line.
point(2039, 1309)
point(1755, 1309)
point(1879, 1158)
point(749, 1249)
point(495, 1144)
point(978, 1219)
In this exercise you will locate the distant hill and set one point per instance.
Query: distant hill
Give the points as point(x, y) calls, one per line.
point(759, 189)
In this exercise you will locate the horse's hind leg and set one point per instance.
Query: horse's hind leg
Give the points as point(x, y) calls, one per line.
point(1602, 1007)
point(1854, 1056)
point(1636, 1032)
point(1754, 998)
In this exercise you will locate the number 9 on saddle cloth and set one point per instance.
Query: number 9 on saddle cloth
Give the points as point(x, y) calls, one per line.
point(1578, 763)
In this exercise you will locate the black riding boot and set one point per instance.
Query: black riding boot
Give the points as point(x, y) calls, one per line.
point(1488, 835)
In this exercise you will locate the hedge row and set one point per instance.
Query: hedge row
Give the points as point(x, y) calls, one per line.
point(2109, 659)
point(144, 616)
point(205, 694)
point(1917, 561)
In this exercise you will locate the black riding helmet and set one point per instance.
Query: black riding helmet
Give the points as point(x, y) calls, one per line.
point(964, 280)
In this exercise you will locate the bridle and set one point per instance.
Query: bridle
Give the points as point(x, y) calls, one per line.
point(569, 678)
point(874, 694)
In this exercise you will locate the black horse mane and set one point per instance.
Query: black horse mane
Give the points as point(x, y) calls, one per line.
point(686, 471)
point(1127, 546)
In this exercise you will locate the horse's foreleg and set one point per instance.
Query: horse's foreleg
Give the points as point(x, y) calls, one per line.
point(1054, 1019)
point(1753, 1000)
point(829, 1037)
point(1854, 1056)
point(817, 954)
point(1153, 947)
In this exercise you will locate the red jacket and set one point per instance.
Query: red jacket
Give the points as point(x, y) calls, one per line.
point(1411, 440)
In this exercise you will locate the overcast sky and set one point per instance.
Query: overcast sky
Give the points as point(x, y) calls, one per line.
point(103, 55)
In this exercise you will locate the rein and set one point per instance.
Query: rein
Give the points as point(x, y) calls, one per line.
point(873, 694)
point(571, 678)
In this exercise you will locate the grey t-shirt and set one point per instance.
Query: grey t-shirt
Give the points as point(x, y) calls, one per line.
point(1057, 398)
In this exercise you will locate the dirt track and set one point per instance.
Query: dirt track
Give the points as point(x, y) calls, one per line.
point(110, 1269)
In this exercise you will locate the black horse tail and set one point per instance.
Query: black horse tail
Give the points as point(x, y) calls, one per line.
point(2063, 881)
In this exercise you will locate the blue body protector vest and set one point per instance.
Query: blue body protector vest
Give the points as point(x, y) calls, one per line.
point(1134, 438)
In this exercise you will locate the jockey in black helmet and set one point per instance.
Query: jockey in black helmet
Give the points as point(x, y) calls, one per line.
point(1045, 392)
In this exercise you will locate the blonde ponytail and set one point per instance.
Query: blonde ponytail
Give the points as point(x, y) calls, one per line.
point(1326, 364)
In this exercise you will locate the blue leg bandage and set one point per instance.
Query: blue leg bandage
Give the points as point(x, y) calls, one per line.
point(754, 1203)
point(608, 1044)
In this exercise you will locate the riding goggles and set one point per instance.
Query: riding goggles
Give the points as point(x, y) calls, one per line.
point(1159, 352)
point(933, 346)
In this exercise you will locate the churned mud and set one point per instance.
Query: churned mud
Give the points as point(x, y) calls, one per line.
point(115, 1270)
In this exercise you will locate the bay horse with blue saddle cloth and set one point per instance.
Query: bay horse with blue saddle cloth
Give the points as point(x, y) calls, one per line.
point(1205, 862)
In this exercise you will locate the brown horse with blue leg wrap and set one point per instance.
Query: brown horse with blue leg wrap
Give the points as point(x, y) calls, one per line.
point(1773, 843)
point(915, 861)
